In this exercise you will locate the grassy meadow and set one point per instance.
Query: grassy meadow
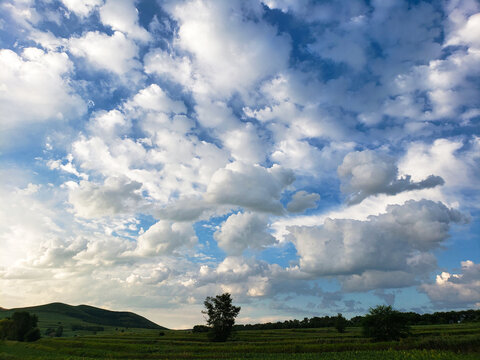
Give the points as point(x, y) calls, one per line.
point(443, 342)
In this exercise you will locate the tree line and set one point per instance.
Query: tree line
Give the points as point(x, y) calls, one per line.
point(381, 323)
point(411, 318)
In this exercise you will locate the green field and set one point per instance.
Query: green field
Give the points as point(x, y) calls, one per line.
point(459, 341)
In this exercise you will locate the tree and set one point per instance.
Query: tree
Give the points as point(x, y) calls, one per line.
point(23, 324)
point(382, 323)
point(221, 315)
point(340, 323)
point(21, 327)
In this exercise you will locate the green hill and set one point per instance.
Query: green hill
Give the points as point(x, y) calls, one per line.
point(55, 314)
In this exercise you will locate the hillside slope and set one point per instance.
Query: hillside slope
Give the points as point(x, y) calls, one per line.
point(67, 315)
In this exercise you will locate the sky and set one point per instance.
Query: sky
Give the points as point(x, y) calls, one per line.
point(308, 157)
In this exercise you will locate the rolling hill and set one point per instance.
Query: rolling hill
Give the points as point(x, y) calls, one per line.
point(55, 314)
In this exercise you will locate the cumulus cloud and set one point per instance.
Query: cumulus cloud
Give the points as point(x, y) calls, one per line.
point(231, 52)
point(456, 290)
point(454, 160)
point(251, 186)
point(122, 15)
point(115, 53)
point(114, 196)
point(375, 279)
point(34, 87)
point(242, 277)
point(176, 68)
point(165, 237)
point(243, 230)
point(109, 124)
point(392, 241)
point(25, 222)
point(244, 144)
point(184, 209)
point(111, 158)
point(68, 167)
point(468, 32)
point(154, 98)
point(302, 201)
point(366, 173)
point(82, 8)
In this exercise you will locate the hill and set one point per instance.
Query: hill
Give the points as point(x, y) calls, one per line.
point(54, 314)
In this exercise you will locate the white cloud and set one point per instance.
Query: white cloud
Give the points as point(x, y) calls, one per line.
point(468, 33)
point(115, 53)
point(109, 124)
point(115, 196)
point(443, 157)
point(366, 173)
point(112, 158)
point(253, 187)
point(350, 50)
point(47, 40)
point(68, 167)
point(34, 87)
point(169, 161)
point(82, 8)
point(184, 209)
point(23, 12)
point(302, 201)
point(243, 230)
point(25, 222)
point(178, 69)
point(165, 237)
point(215, 114)
point(154, 98)
point(387, 242)
point(456, 290)
point(446, 83)
point(231, 53)
point(375, 279)
point(122, 15)
point(243, 278)
point(244, 144)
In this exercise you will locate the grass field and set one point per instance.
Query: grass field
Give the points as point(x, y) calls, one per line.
point(443, 342)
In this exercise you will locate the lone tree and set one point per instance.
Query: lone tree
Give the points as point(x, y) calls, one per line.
point(382, 323)
point(221, 316)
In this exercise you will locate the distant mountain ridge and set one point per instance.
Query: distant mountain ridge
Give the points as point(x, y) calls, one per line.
point(85, 314)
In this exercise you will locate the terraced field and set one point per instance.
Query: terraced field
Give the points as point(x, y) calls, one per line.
point(448, 342)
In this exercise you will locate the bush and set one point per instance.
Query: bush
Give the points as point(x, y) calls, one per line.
point(382, 323)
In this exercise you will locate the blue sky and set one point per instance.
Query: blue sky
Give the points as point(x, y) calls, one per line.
point(307, 157)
